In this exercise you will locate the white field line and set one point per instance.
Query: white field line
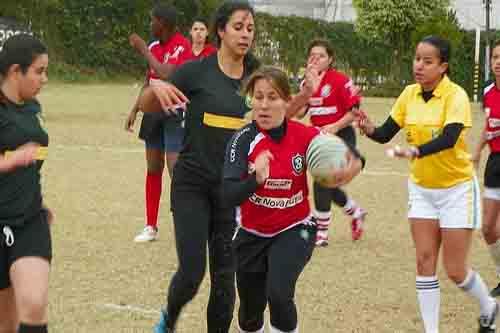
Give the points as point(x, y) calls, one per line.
point(135, 309)
point(129, 308)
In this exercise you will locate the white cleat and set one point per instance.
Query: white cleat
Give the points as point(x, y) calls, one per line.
point(148, 234)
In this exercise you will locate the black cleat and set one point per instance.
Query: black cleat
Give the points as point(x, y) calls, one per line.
point(495, 292)
point(487, 324)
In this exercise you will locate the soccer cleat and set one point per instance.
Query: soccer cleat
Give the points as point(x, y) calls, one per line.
point(161, 325)
point(357, 227)
point(321, 240)
point(487, 323)
point(148, 234)
point(495, 292)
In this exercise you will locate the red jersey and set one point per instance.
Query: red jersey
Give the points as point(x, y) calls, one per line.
point(207, 50)
point(333, 99)
point(491, 102)
point(282, 201)
point(175, 51)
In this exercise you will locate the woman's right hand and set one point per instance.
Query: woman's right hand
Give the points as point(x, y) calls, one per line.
point(364, 123)
point(169, 96)
point(262, 166)
point(21, 157)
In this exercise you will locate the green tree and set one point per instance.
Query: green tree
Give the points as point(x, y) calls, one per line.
point(395, 21)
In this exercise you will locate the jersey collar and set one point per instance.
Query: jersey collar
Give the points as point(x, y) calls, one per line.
point(277, 133)
point(441, 87)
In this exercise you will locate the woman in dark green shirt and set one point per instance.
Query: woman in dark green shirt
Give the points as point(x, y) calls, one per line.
point(25, 244)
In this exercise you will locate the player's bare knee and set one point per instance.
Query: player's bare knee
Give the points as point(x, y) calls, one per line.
point(489, 233)
point(33, 309)
point(155, 166)
point(426, 263)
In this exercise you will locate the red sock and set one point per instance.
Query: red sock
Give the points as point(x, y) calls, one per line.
point(153, 194)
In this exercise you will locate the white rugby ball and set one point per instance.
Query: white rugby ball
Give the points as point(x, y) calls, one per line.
point(325, 153)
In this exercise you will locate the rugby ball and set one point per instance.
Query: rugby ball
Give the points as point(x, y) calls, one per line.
point(325, 153)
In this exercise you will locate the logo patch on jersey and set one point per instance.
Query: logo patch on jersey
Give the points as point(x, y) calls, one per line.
point(278, 184)
point(298, 163)
point(41, 121)
point(248, 101)
point(279, 203)
point(326, 90)
point(316, 101)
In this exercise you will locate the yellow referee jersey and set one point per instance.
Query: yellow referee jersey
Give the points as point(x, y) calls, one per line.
point(424, 121)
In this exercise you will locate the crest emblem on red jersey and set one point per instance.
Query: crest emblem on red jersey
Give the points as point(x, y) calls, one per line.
point(298, 164)
point(326, 90)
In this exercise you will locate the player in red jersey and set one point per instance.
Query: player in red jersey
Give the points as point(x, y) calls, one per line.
point(265, 176)
point(201, 47)
point(491, 136)
point(330, 108)
point(163, 135)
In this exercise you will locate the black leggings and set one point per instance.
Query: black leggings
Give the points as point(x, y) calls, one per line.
point(199, 217)
point(268, 269)
point(324, 196)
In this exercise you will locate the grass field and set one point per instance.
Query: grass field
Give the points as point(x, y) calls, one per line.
point(102, 282)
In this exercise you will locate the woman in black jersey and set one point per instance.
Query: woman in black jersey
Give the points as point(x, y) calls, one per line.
point(216, 111)
point(25, 244)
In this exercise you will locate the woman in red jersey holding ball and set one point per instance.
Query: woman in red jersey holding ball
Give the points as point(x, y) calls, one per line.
point(265, 176)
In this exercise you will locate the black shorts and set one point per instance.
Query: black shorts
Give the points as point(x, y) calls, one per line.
point(252, 251)
point(348, 134)
point(29, 240)
point(492, 171)
point(162, 132)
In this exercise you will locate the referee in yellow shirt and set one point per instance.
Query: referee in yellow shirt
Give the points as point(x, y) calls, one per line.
point(443, 193)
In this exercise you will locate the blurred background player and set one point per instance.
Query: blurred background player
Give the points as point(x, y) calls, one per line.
point(443, 192)
point(25, 241)
point(330, 108)
point(200, 44)
point(163, 134)
point(491, 136)
point(264, 167)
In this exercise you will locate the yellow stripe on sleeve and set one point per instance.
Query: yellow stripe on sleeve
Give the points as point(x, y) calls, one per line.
point(214, 120)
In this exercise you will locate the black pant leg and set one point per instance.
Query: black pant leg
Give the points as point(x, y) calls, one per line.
point(288, 255)
point(191, 210)
point(222, 266)
point(253, 299)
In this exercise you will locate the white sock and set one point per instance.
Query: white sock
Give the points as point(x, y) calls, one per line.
point(475, 287)
point(350, 207)
point(275, 330)
point(495, 254)
point(429, 299)
point(323, 221)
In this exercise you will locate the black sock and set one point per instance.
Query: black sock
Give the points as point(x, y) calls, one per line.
point(25, 328)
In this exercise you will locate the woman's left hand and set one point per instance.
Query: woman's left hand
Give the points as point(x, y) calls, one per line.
point(398, 152)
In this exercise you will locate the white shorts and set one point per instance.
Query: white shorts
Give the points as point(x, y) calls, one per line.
point(456, 207)
point(492, 193)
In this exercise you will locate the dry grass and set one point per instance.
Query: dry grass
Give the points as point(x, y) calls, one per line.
point(94, 181)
